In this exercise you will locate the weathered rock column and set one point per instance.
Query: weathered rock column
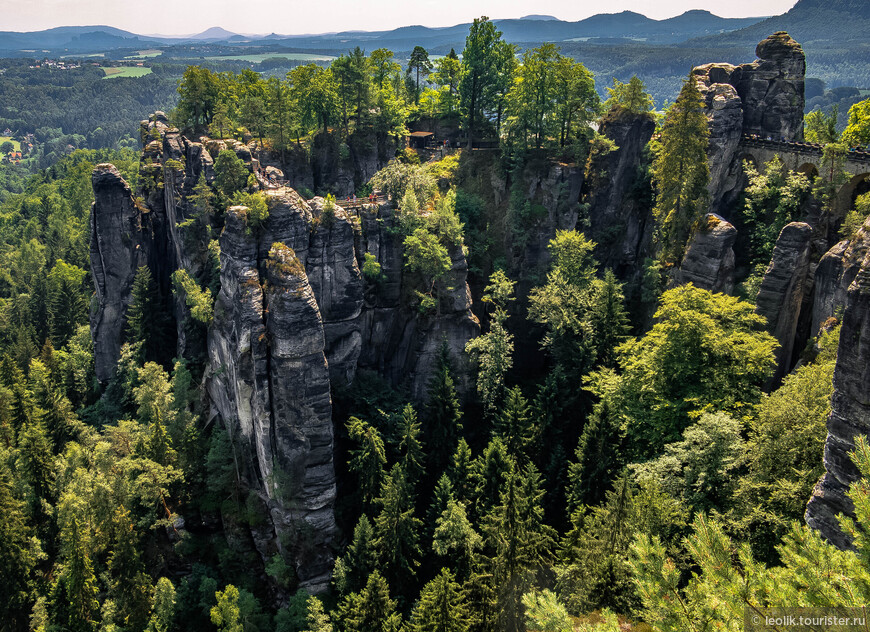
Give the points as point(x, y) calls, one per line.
point(117, 252)
point(850, 409)
point(782, 292)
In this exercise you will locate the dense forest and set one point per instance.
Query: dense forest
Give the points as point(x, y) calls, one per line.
point(612, 450)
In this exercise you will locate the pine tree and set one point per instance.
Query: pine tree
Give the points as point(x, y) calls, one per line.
point(609, 318)
point(462, 474)
point(455, 539)
point(522, 544)
point(492, 468)
point(442, 606)
point(36, 462)
point(443, 415)
point(681, 173)
point(162, 606)
point(494, 349)
point(318, 620)
point(74, 597)
point(147, 321)
point(443, 494)
point(226, 615)
point(397, 529)
point(129, 587)
point(598, 455)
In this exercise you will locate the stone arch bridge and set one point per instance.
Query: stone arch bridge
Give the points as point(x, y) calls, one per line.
point(806, 158)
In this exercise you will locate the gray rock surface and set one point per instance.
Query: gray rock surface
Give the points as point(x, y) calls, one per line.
point(268, 382)
point(620, 222)
point(835, 273)
point(293, 318)
point(709, 259)
point(765, 97)
point(850, 406)
point(782, 292)
point(397, 341)
point(117, 238)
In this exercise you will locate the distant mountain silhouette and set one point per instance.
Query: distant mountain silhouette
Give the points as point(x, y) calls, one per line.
point(214, 33)
point(827, 22)
point(530, 29)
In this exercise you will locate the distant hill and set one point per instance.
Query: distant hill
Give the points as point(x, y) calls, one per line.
point(626, 25)
point(531, 29)
point(824, 23)
point(76, 37)
point(214, 33)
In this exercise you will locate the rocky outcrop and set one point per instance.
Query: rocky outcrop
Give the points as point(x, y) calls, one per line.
point(709, 259)
point(850, 407)
point(618, 195)
point(293, 318)
point(835, 273)
point(765, 98)
point(772, 88)
point(337, 284)
point(398, 341)
point(782, 292)
point(268, 382)
point(118, 236)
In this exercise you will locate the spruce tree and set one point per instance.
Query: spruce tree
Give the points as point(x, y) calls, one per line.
point(353, 568)
point(515, 425)
point(442, 606)
point(443, 494)
point(371, 610)
point(462, 473)
point(681, 173)
point(598, 456)
point(443, 415)
point(410, 448)
point(521, 543)
point(397, 529)
point(609, 318)
point(366, 461)
point(19, 553)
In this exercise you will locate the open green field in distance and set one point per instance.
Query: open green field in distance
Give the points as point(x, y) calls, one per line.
point(17, 145)
point(125, 71)
point(256, 59)
point(142, 54)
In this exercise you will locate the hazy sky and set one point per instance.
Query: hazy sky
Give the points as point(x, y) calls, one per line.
point(313, 16)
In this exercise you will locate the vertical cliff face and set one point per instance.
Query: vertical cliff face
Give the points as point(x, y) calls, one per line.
point(268, 381)
point(765, 97)
point(850, 404)
point(709, 259)
point(397, 341)
point(119, 234)
point(782, 292)
point(292, 320)
point(619, 211)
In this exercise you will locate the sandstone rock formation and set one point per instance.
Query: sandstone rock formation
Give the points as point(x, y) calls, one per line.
point(850, 405)
point(397, 341)
point(709, 259)
point(268, 381)
point(292, 320)
point(619, 212)
point(765, 98)
point(118, 234)
point(782, 292)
